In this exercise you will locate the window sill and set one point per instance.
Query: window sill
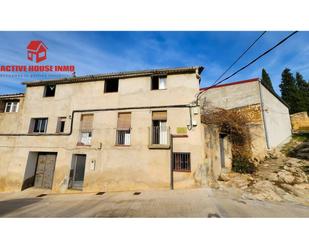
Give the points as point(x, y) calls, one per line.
point(159, 146)
point(180, 135)
point(86, 145)
point(122, 145)
point(182, 171)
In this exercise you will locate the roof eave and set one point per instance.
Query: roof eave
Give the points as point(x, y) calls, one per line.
point(121, 75)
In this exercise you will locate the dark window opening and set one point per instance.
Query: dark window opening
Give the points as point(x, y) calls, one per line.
point(50, 91)
point(111, 85)
point(38, 125)
point(61, 125)
point(158, 82)
point(154, 83)
point(182, 162)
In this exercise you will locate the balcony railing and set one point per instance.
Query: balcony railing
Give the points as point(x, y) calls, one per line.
point(123, 137)
point(159, 137)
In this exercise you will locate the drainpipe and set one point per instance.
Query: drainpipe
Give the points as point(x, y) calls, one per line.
point(191, 122)
point(263, 116)
point(171, 163)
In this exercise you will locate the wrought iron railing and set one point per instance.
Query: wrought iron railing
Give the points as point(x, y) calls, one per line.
point(159, 135)
point(123, 137)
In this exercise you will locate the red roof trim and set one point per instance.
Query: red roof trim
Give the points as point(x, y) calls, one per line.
point(230, 84)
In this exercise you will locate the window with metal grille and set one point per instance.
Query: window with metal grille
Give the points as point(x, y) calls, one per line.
point(182, 161)
point(123, 134)
point(159, 128)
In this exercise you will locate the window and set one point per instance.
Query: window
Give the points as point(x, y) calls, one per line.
point(11, 106)
point(85, 129)
point(158, 82)
point(182, 162)
point(111, 85)
point(38, 125)
point(85, 138)
point(123, 134)
point(60, 125)
point(50, 91)
point(159, 127)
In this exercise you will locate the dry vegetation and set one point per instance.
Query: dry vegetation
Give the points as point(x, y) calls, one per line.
point(235, 124)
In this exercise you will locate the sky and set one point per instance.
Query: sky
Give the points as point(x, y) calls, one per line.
point(102, 52)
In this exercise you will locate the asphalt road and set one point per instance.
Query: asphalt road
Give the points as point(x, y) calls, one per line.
point(162, 203)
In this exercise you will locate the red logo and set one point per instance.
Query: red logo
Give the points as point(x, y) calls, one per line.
point(36, 51)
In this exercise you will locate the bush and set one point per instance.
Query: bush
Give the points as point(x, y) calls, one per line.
point(243, 165)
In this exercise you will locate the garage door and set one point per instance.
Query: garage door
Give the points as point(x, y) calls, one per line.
point(45, 170)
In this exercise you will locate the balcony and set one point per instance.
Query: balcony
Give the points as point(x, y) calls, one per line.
point(123, 137)
point(159, 137)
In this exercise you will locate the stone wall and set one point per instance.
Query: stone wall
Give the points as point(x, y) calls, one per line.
point(300, 122)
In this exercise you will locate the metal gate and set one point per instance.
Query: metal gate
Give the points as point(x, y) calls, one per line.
point(77, 172)
point(45, 170)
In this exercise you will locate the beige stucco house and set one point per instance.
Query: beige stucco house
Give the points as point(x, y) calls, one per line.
point(104, 132)
point(124, 131)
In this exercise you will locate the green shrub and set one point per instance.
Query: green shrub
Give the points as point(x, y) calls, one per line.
point(243, 165)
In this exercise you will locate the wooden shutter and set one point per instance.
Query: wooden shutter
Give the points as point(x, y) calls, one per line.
point(159, 115)
point(124, 121)
point(2, 106)
point(86, 122)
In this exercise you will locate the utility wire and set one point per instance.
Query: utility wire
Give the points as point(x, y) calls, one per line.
point(251, 62)
point(240, 57)
point(257, 58)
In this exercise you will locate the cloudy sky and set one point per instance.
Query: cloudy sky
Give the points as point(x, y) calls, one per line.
point(101, 52)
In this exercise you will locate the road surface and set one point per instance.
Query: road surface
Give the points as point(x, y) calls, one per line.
point(203, 202)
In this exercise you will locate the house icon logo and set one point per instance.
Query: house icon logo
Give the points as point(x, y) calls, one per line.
point(36, 51)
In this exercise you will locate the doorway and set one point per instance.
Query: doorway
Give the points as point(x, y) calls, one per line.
point(45, 168)
point(222, 138)
point(77, 171)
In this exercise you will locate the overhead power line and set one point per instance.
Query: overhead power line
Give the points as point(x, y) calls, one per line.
point(251, 62)
point(240, 57)
point(257, 58)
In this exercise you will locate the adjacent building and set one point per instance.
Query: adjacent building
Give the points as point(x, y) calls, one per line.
point(269, 126)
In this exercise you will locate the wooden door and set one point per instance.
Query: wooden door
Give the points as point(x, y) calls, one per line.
point(45, 170)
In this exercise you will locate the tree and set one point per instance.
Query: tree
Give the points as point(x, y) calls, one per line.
point(289, 90)
point(266, 80)
point(303, 89)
